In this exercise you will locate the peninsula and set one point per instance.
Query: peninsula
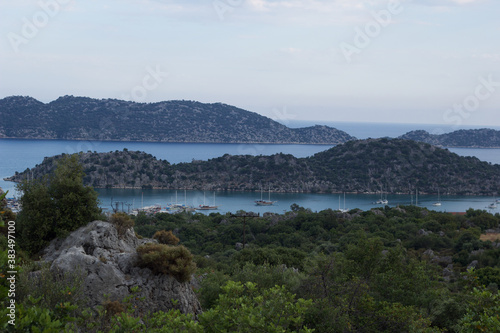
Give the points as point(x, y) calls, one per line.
point(363, 166)
point(83, 118)
point(472, 138)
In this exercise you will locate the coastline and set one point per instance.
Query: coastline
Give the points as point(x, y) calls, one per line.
point(229, 142)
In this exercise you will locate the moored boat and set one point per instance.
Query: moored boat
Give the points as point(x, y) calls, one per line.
point(263, 202)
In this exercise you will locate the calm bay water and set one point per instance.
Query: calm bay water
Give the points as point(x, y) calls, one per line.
point(233, 201)
point(17, 155)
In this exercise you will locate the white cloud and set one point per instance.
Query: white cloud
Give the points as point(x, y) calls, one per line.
point(494, 57)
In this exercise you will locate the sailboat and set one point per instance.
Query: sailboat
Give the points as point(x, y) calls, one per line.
point(207, 207)
point(177, 207)
point(492, 205)
point(382, 201)
point(263, 202)
point(438, 203)
point(343, 210)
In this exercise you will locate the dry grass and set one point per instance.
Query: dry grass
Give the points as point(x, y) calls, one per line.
point(490, 237)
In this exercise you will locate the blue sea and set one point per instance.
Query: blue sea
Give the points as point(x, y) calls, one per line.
point(17, 155)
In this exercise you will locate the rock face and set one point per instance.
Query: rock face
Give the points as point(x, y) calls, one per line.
point(107, 261)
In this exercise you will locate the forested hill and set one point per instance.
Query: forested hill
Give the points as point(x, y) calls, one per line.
point(478, 138)
point(82, 118)
point(361, 166)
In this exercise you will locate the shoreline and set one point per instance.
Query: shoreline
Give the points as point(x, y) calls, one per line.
point(281, 192)
point(233, 142)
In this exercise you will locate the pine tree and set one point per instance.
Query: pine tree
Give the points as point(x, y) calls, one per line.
point(56, 205)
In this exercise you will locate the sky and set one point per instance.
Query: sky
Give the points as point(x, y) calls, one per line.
point(419, 61)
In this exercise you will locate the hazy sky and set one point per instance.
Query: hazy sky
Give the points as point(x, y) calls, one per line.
point(420, 61)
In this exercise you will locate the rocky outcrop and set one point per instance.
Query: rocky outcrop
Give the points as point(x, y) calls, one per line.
point(107, 262)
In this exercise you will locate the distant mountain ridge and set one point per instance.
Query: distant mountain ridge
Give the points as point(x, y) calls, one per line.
point(472, 138)
point(83, 118)
point(364, 166)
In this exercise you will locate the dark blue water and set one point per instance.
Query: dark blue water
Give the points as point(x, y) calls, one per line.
point(378, 130)
point(17, 155)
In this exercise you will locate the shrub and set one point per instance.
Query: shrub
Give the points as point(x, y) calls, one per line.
point(113, 308)
point(51, 287)
point(166, 237)
point(122, 222)
point(163, 259)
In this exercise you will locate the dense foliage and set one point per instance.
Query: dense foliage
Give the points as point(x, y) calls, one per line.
point(55, 205)
point(386, 270)
point(396, 166)
point(402, 269)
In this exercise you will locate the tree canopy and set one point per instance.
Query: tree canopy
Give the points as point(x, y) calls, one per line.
point(55, 205)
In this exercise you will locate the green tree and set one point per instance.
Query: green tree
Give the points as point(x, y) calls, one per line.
point(56, 205)
point(245, 308)
point(483, 312)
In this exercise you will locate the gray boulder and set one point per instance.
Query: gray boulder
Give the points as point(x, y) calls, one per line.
point(473, 264)
point(107, 262)
point(448, 272)
point(401, 210)
point(378, 212)
point(429, 253)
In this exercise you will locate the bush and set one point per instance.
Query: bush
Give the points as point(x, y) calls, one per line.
point(163, 259)
point(51, 287)
point(166, 237)
point(113, 308)
point(122, 222)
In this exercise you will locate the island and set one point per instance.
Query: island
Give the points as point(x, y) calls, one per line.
point(361, 166)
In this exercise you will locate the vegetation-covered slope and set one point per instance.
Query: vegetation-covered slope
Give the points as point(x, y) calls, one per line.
point(478, 138)
point(401, 269)
point(82, 118)
point(397, 166)
point(385, 270)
